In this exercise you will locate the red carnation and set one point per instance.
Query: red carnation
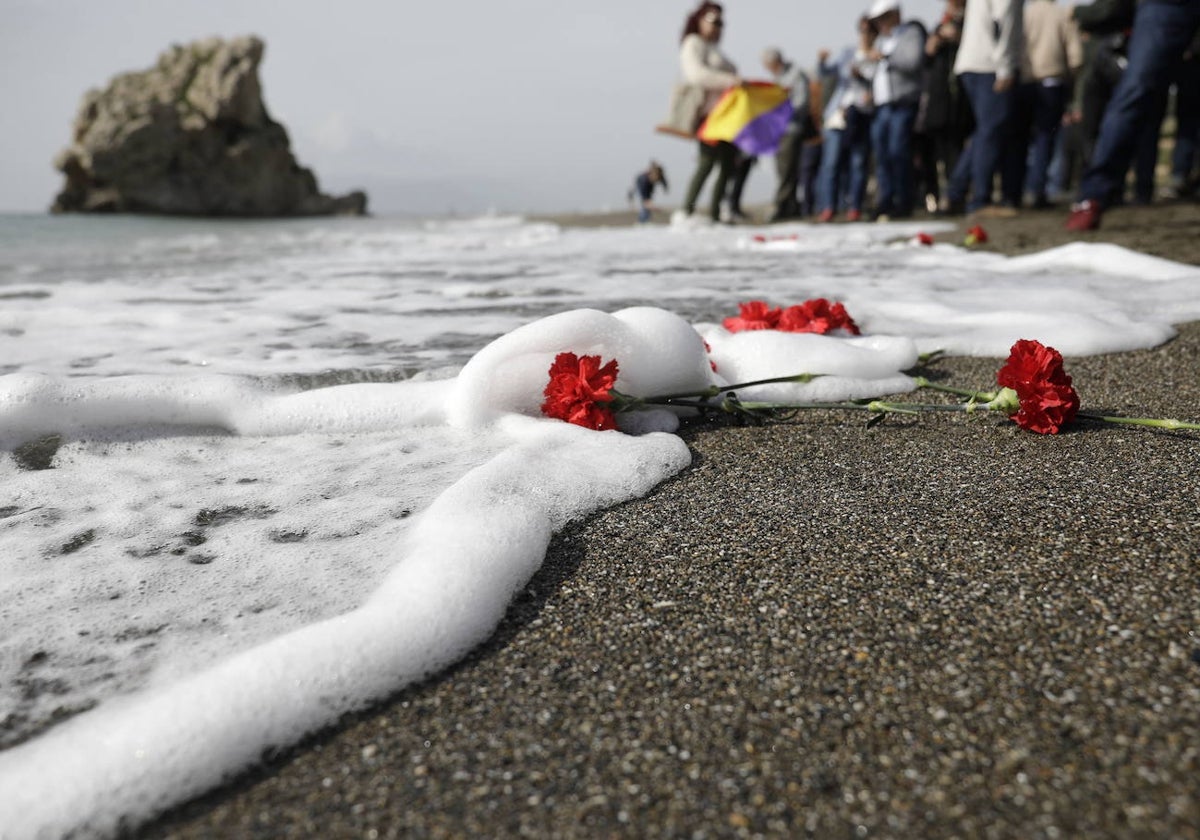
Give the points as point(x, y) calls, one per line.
point(976, 235)
point(817, 316)
point(579, 391)
point(923, 239)
point(1047, 400)
point(753, 315)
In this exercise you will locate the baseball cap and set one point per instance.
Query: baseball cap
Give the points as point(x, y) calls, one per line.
point(881, 7)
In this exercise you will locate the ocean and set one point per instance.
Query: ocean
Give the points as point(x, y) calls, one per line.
point(258, 474)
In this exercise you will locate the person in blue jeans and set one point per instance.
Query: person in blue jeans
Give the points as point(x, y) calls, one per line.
point(1162, 30)
point(987, 65)
point(846, 129)
point(896, 84)
point(1050, 61)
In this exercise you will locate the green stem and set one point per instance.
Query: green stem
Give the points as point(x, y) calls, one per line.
point(1156, 423)
point(982, 396)
point(715, 390)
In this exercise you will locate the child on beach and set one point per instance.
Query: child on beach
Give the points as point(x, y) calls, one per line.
point(643, 189)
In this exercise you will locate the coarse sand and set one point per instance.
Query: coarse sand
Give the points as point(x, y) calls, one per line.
point(941, 626)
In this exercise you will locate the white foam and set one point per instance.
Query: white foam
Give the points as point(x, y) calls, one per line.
point(360, 536)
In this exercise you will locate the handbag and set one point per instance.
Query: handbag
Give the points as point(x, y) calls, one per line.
point(684, 112)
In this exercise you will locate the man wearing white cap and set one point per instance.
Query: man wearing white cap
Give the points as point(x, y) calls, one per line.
point(899, 53)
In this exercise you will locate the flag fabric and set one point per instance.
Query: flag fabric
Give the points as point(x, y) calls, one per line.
point(752, 116)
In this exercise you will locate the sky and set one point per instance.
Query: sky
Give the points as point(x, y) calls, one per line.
point(452, 107)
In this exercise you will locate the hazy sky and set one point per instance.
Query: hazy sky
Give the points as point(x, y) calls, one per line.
point(453, 106)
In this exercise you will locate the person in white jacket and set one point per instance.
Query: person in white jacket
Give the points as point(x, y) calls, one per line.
point(701, 63)
point(988, 62)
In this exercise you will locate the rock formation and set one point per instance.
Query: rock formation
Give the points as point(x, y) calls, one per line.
point(189, 136)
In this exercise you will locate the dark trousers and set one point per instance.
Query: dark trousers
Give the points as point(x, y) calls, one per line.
point(1036, 122)
point(892, 143)
point(978, 163)
point(721, 155)
point(1187, 123)
point(1161, 31)
point(787, 168)
point(810, 165)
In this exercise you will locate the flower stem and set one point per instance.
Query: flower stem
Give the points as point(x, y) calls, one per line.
point(717, 390)
point(982, 396)
point(1154, 422)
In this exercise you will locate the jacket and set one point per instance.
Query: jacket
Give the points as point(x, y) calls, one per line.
point(703, 65)
point(1053, 49)
point(899, 76)
point(850, 88)
point(991, 38)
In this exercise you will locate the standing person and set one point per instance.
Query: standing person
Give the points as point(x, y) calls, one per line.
point(944, 119)
point(1162, 30)
point(703, 65)
point(846, 128)
point(896, 83)
point(1050, 61)
point(800, 129)
point(1104, 26)
point(987, 65)
point(643, 189)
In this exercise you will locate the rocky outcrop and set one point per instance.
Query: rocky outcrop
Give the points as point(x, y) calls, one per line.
point(189, 136)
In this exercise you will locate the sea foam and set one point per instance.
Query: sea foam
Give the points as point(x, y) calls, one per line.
point(229, 549)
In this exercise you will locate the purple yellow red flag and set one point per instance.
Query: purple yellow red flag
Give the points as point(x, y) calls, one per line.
point(752, 116)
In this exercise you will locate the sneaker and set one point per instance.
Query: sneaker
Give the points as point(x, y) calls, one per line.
point(931, 204)
point(1084, 216)
point(853, 215)
point(824, 216)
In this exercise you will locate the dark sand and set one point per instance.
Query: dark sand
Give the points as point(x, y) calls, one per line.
point(939, 627)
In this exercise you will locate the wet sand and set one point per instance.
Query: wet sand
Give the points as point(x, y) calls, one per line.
point(938, 627)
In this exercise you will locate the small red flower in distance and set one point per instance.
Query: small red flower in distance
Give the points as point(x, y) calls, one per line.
point(578, 391)
point(923, 239)
point(753, 315)
point(1047, 400)
point(817, 316)
point(976, 235)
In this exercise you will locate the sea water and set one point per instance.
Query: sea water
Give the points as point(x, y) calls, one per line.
point(257, 474)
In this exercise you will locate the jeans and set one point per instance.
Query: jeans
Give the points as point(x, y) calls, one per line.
point(891, 139)
point(1037, 121)
point(844, 163)
point(977, 165)
point(1161, 31)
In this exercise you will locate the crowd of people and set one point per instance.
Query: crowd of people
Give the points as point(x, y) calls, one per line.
point(996, 106)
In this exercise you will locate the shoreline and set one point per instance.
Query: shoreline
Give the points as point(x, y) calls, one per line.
point(940, 627)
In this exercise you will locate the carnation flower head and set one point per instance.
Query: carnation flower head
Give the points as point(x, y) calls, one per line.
point(1046, 399)
point(579, 391)
point(813, 316)
point(753, 315)
point(817, 316)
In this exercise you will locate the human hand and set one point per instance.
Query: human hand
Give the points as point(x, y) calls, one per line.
point(1002, 84)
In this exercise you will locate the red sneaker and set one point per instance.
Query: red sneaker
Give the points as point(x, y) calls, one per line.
point(853, 215)
point(824, 216)
point(1084, 216)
